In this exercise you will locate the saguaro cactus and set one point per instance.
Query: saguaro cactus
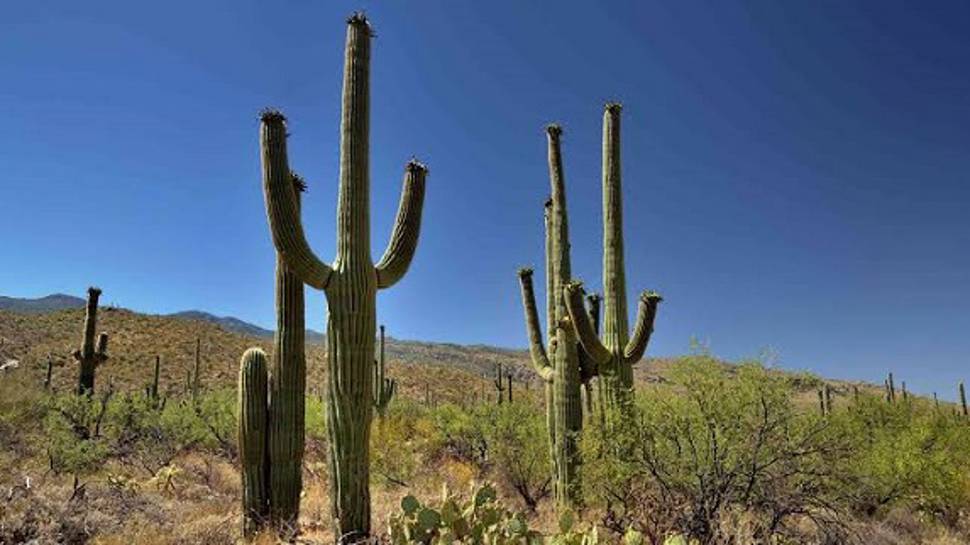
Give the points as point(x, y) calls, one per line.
point(498, 382)
point(559, 367)
point(614, 355)
point(287, 393)
point(351, 281)
point(963, 399)
point(90, 356)
point(383, 387)
point(153, 387)
point(253, 424)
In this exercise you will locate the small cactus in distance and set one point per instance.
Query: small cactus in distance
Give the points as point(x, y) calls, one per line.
point(383, 386)
point(498, 381)
point(963, 399)
point(91, 355)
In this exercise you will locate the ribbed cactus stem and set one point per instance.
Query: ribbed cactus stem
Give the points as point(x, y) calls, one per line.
point(253, 439)
point(287, 393)
point(963, 399)
point(892, 388)
point(383, 387)
point(92, 353)
point(350, 282)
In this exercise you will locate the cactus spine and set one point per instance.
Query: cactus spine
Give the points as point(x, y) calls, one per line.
point(559, 367)
point(253, 423)
point(351, 281)
point(613, 355)
point(90, 356)
point(383, 387)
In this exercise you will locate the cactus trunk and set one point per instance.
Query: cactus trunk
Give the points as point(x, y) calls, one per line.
point(350, 282)
point(253, 437)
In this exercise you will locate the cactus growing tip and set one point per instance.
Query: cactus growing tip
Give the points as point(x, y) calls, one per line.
point(554, 129)
point(359, 19)
point(93, 290)
point(614, 107)
point(525, 272)
point(267, 115)
point(650, 295)
point(415, 166)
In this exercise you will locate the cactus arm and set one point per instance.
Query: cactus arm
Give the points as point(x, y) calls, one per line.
point(101, 352)
point(540, 359)
point(587, 367)
point(282, 208)
point(644, 327)
point(590, 341)
point(407, 226)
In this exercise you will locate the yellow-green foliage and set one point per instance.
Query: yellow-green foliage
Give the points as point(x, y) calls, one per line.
point(728, 449)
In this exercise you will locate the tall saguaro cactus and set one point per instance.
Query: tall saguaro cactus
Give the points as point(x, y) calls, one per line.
point(253, 423)
point(614, 354)
point(559, 366)
point(383, 387)
point(351, 281)
point(91, 355)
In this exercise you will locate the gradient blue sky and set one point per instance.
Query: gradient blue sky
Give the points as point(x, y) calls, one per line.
point(795, 173)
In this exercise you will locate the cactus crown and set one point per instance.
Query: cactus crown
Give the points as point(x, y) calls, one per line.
point(650, 296)
point(575, 285)
point(554, 129)
point(594, 298)
point(94, 291)
point(614, 107)
point(416, 166)
point(268, 115)
point(359, 19)
point(525, 272)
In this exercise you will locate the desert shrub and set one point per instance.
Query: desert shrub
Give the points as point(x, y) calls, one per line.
point(712, 444)
point(517, 449)
point(907, 454)
point(401, 442)
point(461, 433)
point(72, 430)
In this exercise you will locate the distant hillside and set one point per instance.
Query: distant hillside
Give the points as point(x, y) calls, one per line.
point(450, 371)
point(57, 301)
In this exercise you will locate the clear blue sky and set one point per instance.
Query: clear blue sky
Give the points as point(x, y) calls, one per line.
point(795, 173)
